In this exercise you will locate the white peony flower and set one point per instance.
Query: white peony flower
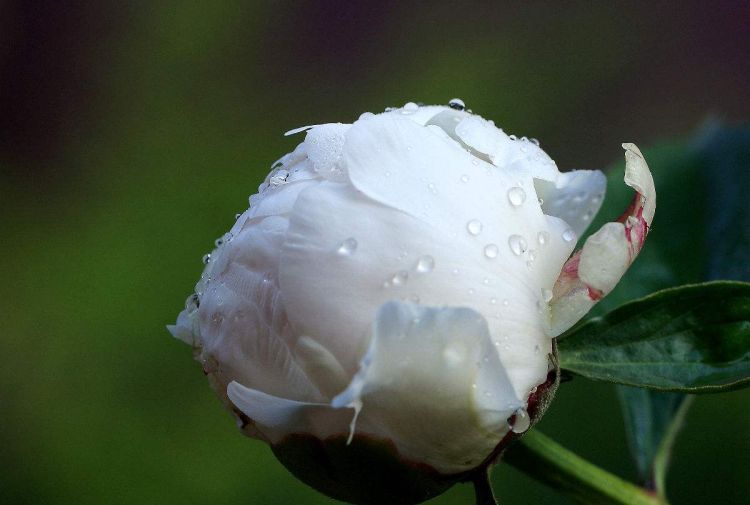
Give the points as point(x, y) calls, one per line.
point(401, 279)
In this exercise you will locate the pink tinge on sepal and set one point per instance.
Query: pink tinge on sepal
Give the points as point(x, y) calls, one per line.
point(594, 270)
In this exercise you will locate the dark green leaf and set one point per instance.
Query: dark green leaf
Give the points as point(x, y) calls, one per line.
point(701, 232)
point(725, 156)
point(691, 339)
point(652, 420)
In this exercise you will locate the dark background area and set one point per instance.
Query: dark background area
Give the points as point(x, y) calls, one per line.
point(132, 132)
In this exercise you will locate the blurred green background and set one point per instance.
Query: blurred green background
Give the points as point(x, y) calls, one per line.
point(132, 132)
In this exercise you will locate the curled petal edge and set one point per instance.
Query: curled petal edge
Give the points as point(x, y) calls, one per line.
point(594, 270)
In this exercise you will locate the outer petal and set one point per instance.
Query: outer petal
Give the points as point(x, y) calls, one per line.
point(398, 256)
point(441, 363)
point(276, 417)
point(429, 222)
point(593, 272)
point(576, 198)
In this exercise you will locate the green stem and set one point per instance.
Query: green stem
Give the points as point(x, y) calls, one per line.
point(547, 461)
point(661, 461)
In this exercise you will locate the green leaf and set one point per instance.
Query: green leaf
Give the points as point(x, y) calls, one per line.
point(652, 421)
point(725, 155)
point(691, 339)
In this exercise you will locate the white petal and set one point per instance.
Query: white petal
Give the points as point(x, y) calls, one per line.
point(334, 296)
point(422, 115)
point(432, 382)
point(432, 198)
point(320, 365)
point(244, 329)
point(593, 272)
point(638, 177)
point(605, 258)
point(277, 417)
point(411, 169)
point(244, 339)
point(576, 198)
point(185, 328)
point(325, 147)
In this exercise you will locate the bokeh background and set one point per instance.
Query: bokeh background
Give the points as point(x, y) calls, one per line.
point(132, 132)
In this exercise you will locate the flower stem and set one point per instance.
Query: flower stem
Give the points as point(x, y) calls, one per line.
point(547, 461)
point(483, 488)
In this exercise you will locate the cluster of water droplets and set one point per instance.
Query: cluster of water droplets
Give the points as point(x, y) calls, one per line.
point(424, 265)
point(193, 301)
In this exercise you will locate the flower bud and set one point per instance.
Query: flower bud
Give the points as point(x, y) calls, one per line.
point(384, 313)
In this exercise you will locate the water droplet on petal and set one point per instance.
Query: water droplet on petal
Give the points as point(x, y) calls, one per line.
point(206, 259)
point(410, 108)
point(192, 303)
point(400, 278)
point(491, 251)
point(534, 141)
point(506, 303)
point(537, 350)
point(521, 422)
point(464, 178)
point(569, 235)
point(365, 115)
point(347, 247)
point(493, 301)
point(425, 264)
point(474, 227)
point(543, 237)
point(456, 103)
point(512, 137)
point(455, 271)
point(517, 244)
point(279, 178)
point(516, 196)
